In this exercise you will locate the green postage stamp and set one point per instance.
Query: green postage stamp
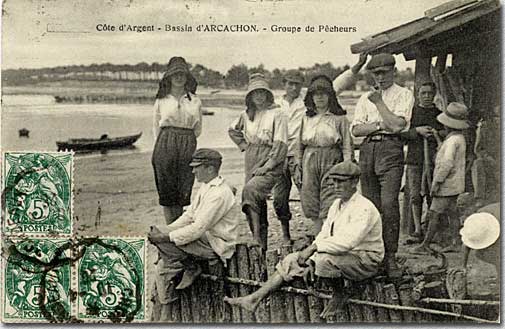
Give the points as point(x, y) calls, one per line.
point(111, 281)
point(37, 280)
point(37, 193)
point(74, 280)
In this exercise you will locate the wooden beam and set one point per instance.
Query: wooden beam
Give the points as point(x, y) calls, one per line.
point(447, 7)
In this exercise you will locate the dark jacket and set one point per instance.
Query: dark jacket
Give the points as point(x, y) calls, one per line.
point(421, 116)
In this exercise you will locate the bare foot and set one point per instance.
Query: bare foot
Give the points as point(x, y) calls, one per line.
point(247, 302)
point(421, 250)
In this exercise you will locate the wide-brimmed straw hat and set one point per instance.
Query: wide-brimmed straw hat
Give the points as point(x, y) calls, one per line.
point(258, 81)
point(480, 230)
point(455, 116)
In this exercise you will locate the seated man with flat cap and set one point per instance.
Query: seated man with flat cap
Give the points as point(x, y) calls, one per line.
point(349, 245)
point(207, 230)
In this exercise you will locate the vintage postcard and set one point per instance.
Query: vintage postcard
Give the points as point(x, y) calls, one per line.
point(251, 161)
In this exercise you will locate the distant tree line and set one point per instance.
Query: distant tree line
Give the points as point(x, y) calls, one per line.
point(236, 77)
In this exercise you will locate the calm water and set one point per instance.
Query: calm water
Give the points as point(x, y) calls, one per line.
point(49, 122)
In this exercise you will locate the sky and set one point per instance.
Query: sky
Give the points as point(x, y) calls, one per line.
point(47, 33)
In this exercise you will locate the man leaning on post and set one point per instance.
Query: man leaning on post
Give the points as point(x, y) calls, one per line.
point(380, 117)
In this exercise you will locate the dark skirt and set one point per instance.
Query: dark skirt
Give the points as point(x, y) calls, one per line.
point(171, 157)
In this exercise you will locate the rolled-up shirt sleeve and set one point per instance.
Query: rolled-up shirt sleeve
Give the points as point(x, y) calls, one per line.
point(343, 81)
point(347, 148)
point(280, 139)
point(236, 132)
point(404, 107)
point(360, 113)
point(198, 124)
point(210, 211)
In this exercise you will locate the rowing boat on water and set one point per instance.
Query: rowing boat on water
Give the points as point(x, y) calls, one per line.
point(102, 143)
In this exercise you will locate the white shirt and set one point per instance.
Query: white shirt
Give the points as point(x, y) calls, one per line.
point(214, 213)
point(181, 113)
point(327, 129)
point(450, 165)
point(354, 226)
point(269, 126)
point(399, 101)
point(295, 111)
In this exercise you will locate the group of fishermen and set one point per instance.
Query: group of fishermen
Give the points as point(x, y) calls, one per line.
point(304, 138)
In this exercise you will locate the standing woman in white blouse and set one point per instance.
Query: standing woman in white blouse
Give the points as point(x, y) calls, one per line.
point(325, 140)
point(177, 124)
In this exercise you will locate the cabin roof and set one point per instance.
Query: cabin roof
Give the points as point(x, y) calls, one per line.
point(454, 24)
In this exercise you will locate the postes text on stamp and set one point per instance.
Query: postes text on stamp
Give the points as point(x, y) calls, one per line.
point(37, 281)
point(111, 280)
point(37, 193)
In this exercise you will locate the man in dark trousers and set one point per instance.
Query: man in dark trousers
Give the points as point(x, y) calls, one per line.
point(422, 125)
point(380, 116)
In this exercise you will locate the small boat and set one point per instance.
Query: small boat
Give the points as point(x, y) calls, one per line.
point(207, 112)
point(97, 144)
point(23, 132)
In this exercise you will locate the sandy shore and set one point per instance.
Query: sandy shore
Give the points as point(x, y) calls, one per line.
point(124, 186)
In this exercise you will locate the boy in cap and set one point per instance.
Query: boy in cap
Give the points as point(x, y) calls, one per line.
point(207, 230)
point(293, 106)
point(448, 176)
point(380, 116)
point(349, 244)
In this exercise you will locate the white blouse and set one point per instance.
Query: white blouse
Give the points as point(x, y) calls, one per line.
point(180, 113)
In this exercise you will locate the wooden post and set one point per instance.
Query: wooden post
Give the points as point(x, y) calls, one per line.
point(355, 311)
point(382, 314)
point(277, 302)
point(301, 303)
point(176, 311)
point(243, 272)
point(405, 293)
point(221, 314)
point(336, 287)
point(391, 297)
point(316, 305)
point(369, 314)
point(257, 270)
point(189, 304)
point(288, 297)
point(233, 289)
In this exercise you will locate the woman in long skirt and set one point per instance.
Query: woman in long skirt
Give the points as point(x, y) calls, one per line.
point(177, 124)
point(325, 140)
point(260, 131)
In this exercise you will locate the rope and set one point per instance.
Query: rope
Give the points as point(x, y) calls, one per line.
point(352, 301)
point(460, 301)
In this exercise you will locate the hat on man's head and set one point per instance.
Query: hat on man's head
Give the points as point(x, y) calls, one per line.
point(381, 62)
point(294, 76)
point(344, 170)
point(455, 116)
point(205, 156)
point(320, 83)
point(480, 230)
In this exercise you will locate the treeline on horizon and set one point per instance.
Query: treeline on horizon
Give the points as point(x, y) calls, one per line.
point(236, 77)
